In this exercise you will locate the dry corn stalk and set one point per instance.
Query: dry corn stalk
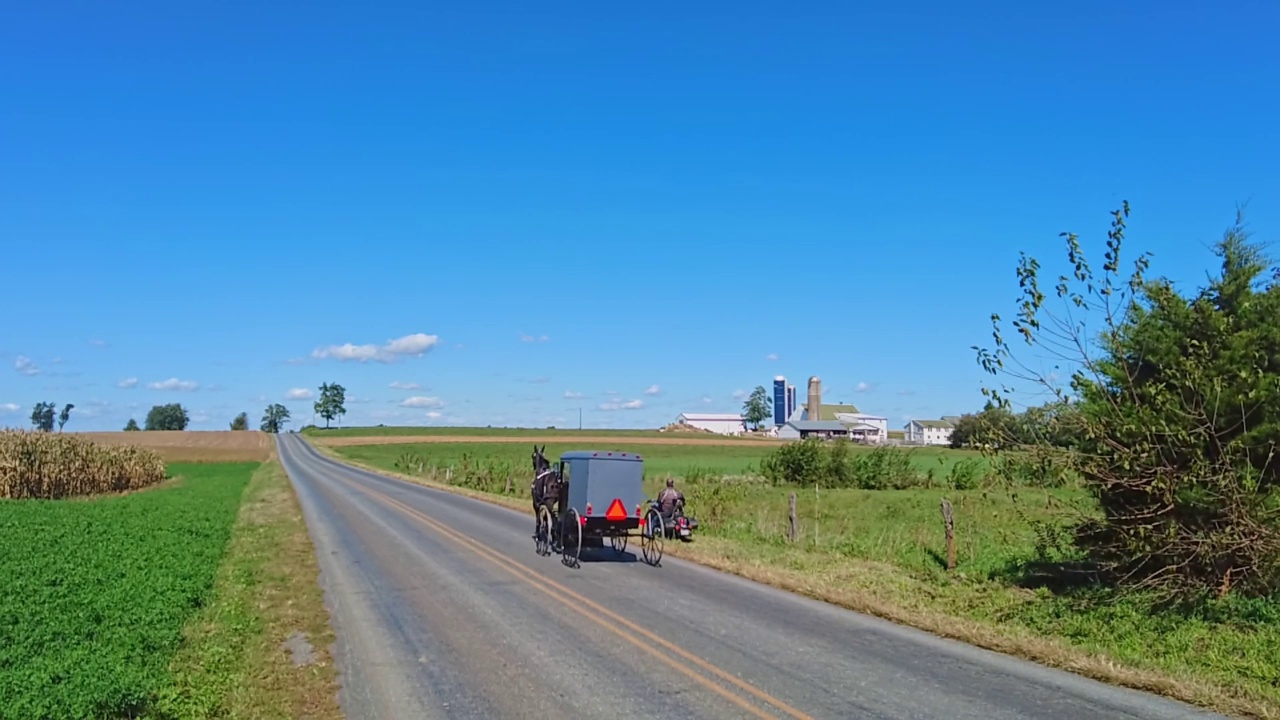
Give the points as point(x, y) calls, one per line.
point(53, 465)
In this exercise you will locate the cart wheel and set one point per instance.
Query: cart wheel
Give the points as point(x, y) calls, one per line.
point(570, 538)
point(543, 542)
point(652, 539)
point(619, 543)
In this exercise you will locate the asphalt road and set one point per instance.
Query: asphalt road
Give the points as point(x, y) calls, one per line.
point(443, 610)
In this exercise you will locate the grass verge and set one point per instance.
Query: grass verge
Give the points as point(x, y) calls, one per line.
point(96, 592)
point(260, 648)
point(880, 552)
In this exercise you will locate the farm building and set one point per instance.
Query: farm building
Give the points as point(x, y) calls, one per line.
point(801, 429)
point(867, 428)
point(929, 432)
point(723, 423)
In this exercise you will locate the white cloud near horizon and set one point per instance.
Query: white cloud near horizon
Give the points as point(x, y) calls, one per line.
point(435, 415)
point(572, 395)
point(9, 408)
point(621, 405)
point(174, 384)
point(771, 357)
point(299, 394)
point(26, 366)
point(739, 394)
point(419, 401)
point(862, 387)
point(652, 390)
point(530, 338)
point(400, 385)
point(128, 383)
point(415, 345)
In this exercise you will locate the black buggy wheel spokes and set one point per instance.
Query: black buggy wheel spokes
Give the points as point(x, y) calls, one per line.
point(618, 543)
point(571, 538)
point(651, 540)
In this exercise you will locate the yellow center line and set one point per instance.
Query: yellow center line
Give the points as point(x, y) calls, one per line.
point(562, 592)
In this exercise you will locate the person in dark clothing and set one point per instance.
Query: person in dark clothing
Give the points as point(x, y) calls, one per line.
point(668, 498)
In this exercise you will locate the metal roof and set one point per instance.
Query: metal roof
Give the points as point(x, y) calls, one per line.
point(832, 425)
point(599, 455)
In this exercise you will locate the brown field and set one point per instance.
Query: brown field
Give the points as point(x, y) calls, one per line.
point(341, 440)
point(194, 445)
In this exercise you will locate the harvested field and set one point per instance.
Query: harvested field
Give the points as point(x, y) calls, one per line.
point(195, 445)
point(587, 440)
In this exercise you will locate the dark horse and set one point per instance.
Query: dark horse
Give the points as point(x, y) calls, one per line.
point(545, 489)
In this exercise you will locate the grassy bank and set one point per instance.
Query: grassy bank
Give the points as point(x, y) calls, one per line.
point(883, 552)
point(96, 592)
point(260, 647)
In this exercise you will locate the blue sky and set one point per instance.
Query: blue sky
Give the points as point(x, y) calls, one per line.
point(680, 199)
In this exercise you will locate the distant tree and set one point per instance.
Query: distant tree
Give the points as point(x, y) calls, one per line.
point(241, 422)
point(331, 403)
point(167, 417)
point(64, 416)
point(132, 426)
point(274, 418)
point(758, 407)
point(42, 416)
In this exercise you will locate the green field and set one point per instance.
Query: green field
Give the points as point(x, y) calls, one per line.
point(96, 593)
point(685, 461)
point(409, 430)
point(883, 551)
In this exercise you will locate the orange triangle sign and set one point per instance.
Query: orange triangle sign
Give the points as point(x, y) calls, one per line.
point(616, 511)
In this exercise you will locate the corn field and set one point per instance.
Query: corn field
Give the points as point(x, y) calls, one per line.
point(52, 465)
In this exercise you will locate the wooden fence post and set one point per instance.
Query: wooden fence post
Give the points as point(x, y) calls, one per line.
point(448, 474)
point(949, 526)
point(794, 528)
point(507, 491)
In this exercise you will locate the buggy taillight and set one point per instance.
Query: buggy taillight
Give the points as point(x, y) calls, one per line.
point(637, 511)
point(588, 508)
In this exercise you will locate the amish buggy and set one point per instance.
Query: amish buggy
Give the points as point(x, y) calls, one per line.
point(589, 496)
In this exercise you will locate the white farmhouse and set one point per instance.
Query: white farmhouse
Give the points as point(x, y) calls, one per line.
point(872, 429)
point(928, 432)
point(723, 423)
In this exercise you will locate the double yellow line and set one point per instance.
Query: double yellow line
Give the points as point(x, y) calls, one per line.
point(602, 616)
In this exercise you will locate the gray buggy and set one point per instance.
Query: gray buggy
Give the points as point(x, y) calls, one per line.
point(601, 495)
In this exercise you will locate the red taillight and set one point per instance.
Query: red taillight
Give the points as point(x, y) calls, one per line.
point(641, 522)
point(582, 521)
point(637, 511)
point(588, 508)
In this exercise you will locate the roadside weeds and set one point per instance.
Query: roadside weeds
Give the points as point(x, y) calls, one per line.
point(260, 648)
point(887, 592)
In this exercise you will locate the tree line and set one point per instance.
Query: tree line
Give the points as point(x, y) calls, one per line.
point(173, 416)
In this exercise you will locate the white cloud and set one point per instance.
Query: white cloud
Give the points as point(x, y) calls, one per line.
point(434, 415)
point(200, 416)
point(530, 338)
point(621, 405)
point(862, 387)
point(740, 394)
point(128, 383)
point(419, 401)
point(415, 345)
point(652, 390)
point(572, 395)
point(7, 408)
point(540, 380)
point(299, 394)
point(174, 384)
point(398, 385)
point(706, 400)
point(771, 357)
point(25, 366)
point(354, 400)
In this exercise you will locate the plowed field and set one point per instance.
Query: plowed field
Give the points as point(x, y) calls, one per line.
point(195, 445)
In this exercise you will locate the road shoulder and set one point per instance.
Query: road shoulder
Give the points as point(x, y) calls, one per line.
point(260, 648)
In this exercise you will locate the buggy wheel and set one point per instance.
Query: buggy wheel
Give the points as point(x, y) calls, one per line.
point(543, 542)
point(570, 538)
point(652, 539)
point(618, 543)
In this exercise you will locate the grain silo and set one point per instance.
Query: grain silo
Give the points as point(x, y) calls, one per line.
point(815, 398)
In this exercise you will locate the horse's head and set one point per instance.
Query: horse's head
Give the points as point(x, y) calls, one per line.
point(540, 461)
